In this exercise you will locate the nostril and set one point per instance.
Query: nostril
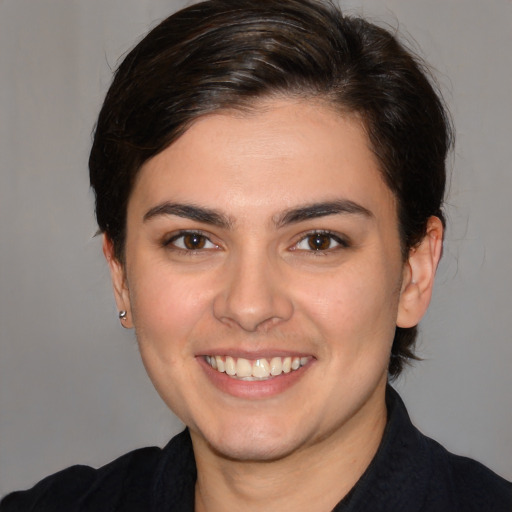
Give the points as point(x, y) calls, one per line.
point(252, 307)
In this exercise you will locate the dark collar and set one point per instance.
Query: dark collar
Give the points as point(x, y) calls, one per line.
point(398, 477)
point(174, 488)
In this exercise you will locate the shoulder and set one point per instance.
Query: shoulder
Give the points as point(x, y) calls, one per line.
point(468, 484)
point(142, 480)
point(416, 473)
point(82, 488)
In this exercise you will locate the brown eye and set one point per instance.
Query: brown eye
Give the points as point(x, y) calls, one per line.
point(319, 242)
point(190, 241)
point(194, 241)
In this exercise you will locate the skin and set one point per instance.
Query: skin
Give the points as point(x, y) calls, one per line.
point(254, 287)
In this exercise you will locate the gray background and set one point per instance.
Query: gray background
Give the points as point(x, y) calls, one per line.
point(72, 389)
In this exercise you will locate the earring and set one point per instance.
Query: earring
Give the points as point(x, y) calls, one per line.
point(122, 315)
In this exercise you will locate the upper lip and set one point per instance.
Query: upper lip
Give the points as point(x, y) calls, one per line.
point(253, 355)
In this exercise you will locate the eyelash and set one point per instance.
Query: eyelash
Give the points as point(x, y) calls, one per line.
point(171, 242)
point(203, 239)
point(342, 243)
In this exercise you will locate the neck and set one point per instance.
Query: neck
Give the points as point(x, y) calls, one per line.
point(313, 478)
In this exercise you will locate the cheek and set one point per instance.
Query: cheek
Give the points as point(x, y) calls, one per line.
point(355, 307)
point(166, 308)
point(168, 312)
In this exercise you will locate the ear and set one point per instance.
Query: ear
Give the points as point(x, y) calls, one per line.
point(418, 275)
point(118, 276)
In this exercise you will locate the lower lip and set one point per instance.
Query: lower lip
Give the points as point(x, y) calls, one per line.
point(256, 389)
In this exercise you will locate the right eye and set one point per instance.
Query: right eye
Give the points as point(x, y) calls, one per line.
point(321, 242)
point(191, 241)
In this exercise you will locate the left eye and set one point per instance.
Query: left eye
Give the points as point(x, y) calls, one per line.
point(319, 242)
point(191, 241)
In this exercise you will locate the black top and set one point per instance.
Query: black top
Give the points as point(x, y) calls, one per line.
point(409, 473)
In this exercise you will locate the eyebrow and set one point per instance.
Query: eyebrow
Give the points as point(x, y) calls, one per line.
point(322, 209)
point(189, 211)
point(292, 216)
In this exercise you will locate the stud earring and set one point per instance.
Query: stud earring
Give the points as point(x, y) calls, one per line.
point(122, 315)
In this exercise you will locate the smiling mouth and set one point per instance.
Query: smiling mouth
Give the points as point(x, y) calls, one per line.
point(259, 369)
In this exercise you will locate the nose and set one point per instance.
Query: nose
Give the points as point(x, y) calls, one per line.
point(253, 294)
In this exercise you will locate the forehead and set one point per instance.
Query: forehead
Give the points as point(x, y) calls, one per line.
point(281, 154)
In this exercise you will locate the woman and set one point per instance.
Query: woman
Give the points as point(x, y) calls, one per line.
point(269, 179)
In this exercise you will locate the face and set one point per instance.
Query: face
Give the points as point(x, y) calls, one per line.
point(263, 275)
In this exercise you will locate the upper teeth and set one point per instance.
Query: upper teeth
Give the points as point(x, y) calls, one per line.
point(258, 369)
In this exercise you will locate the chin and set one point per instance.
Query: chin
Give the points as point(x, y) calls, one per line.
point(255, 449)
point(251, 442)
